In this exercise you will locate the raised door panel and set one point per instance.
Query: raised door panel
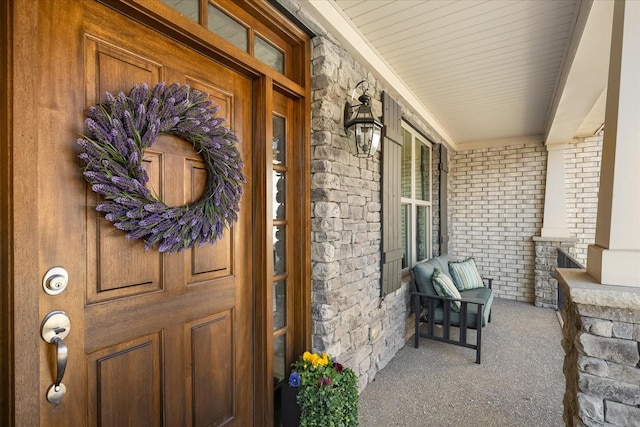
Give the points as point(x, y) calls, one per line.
point(211, 373)
point(210, 261)
point(125, 383)
point(122, 267)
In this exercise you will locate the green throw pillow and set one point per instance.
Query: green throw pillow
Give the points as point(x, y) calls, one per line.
point(445, 288)
point(465, 274)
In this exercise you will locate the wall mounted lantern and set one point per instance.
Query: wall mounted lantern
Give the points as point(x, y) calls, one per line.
point(366, 127)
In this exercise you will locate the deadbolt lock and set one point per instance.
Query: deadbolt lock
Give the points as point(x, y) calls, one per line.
point(55, 281)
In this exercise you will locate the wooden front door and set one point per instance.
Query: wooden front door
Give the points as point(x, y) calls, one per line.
point(155, 339)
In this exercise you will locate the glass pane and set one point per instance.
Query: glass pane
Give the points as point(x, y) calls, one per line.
point(279, 304)
point(279, 250)
point(406, 164)
point(279, 193)
point(422, 233)
point(279, 347)
point(265, 52)
point(279, 139)
point(188, 8)
point(404, 214)
point(423, 171)
point(228, 28)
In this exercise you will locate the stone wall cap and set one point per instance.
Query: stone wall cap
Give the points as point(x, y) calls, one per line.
point(584, 289)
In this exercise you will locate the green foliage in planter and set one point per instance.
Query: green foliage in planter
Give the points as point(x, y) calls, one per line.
point(328, 395)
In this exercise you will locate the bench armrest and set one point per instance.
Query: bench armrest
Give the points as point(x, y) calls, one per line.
point(438, 297)
point(488, 281)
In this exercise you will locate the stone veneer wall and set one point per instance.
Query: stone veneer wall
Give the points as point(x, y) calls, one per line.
point(601, 337)
point(350, 319)
point(497, 207)
point(546, 285)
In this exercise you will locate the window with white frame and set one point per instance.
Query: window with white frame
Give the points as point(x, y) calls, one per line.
point(416, 197)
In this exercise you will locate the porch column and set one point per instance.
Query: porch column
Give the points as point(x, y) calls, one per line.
point(615, 256)
point(555, 210)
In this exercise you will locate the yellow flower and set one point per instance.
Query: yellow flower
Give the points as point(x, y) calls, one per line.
point(324, 360)
point(307, 357)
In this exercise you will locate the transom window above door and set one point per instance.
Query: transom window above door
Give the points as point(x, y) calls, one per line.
point(251, 37)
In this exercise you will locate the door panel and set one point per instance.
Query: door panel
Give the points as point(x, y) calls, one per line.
point(210, 340)
point(111, 372)
point(166, 336)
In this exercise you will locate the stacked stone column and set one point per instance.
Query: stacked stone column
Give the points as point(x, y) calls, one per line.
point(601, 338)
point(545, 265)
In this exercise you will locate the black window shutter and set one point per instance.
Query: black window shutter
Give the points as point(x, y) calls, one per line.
point(444, 224)
point(391, 164)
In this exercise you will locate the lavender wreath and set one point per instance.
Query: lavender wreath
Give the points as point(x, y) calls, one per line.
point(118, 133)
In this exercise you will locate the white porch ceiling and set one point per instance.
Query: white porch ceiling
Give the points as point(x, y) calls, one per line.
point(484, 72)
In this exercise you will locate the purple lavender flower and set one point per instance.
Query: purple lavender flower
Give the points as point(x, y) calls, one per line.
point(155, 207)
point(129, 185)
point(104, 189)
point(141, 113)
point(138, 233)
point(128, 202)
point(126, 225)
point(151, 220)
point(108, 207)
point(118, 133)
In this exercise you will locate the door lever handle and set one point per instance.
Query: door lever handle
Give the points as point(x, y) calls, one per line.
point(62, 354)
point(55, 328)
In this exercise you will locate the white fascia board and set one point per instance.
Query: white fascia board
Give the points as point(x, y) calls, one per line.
point(340, 27)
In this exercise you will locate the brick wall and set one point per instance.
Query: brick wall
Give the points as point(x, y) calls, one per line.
point(582, 175)
point(497, 207)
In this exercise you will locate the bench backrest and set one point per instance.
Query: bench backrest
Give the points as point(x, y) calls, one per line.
point(422, 273)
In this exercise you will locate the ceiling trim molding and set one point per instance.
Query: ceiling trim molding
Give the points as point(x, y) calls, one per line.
point(340, 27)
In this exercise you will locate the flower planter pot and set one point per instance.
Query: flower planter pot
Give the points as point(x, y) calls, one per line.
point(289, 406)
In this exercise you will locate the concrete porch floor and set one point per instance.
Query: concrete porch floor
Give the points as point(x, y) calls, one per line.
point(519, 383)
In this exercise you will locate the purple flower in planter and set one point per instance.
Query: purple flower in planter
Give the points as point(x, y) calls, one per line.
point(326, 381)
point(294, 379)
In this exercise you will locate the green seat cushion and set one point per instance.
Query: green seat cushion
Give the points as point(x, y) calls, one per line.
point(472, 309)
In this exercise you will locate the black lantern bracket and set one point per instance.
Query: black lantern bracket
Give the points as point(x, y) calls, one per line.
point(366, 127)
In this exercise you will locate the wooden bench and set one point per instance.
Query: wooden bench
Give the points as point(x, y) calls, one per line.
point(433, 309)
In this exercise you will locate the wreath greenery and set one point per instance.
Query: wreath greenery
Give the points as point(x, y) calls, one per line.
point(117, 134)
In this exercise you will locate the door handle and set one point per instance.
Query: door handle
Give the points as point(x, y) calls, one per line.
point(55, 328)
